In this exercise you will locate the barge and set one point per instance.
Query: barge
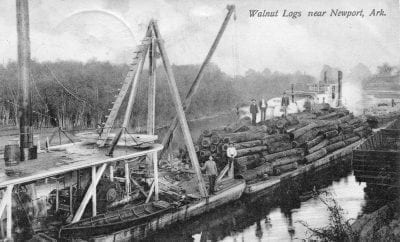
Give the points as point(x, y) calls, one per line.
point(377, 159)
point(268, 186)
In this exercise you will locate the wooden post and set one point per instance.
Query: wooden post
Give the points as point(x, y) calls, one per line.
point(127, 179)
point(9, 212)
point(155, 165)
point(152, 88)
point(57, 194)
point(151, 100)
point(89, 193)
point(94, 195)
point(195, 85)
point(71, 205)
point(6, 202)
point(181, 113)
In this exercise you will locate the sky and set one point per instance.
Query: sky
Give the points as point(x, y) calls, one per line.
point(109, 30)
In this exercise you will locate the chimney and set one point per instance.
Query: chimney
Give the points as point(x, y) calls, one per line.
point(24, 59)
point(340, 76)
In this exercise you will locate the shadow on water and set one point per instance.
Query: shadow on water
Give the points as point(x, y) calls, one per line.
point(273, 217)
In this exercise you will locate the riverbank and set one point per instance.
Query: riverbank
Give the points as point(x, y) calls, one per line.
point(381, 225)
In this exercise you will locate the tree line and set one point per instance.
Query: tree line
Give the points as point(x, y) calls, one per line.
point(76, 95)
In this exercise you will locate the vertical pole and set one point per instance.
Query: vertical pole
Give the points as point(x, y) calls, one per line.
point(59, 135)
point(292, 93)
point(57, 195)
point(24, 58)
point(9, 212)
point(94, 195)
point(196, 83)
point(71, 205)
point(155, 165)
point(151, 97)
point(127, 178)
point(38, 143)
point(152, 88)
point(180, 112)
point(340, 76)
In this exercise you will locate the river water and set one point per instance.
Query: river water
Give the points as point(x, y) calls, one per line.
point(268, 219)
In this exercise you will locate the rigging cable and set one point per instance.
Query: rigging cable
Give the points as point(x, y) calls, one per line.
point(65, 88)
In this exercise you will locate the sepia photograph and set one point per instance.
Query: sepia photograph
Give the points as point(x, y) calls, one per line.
point(200, 120)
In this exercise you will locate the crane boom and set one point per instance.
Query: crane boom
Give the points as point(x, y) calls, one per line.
point(169, 135)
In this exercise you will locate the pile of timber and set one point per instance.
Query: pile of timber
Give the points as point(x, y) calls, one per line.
point(279, 145)
point(329, 132)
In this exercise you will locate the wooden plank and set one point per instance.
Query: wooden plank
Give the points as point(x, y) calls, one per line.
point(9, 211)
point(85, 163)
point(180, 112)
point(151, 97)
point(222, 173)
point(94, 195)
point(89, 193)
point(127, 179)
point(155, 167)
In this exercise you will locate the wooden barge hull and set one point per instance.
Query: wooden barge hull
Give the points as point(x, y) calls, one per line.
point(377, 160)
point(268, 186)
point(233, 191)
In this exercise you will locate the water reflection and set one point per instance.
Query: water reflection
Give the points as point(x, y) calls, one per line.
point(273, 218)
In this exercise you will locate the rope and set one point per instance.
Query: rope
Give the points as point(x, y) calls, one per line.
point(65, 88)
point(37, 91)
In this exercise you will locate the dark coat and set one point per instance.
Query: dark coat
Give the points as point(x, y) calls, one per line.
point(253, 108)
point(285, 101)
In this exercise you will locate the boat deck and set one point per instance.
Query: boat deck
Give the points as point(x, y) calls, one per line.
point(66, 158)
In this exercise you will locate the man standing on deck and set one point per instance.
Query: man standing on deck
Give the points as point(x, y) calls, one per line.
point(285, 103)
point(211, 171)
point(263, 106)
point(307, 105)
point(231, 153)
point(253, 111)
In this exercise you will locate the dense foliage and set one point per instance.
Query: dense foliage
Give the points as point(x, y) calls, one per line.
point(79, 95)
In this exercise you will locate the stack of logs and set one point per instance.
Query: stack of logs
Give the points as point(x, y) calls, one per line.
point(278, 145)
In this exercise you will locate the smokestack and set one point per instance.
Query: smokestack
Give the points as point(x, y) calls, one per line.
point(292, 92)
point(340, 76)
point(325, 78)
point(24, 58)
